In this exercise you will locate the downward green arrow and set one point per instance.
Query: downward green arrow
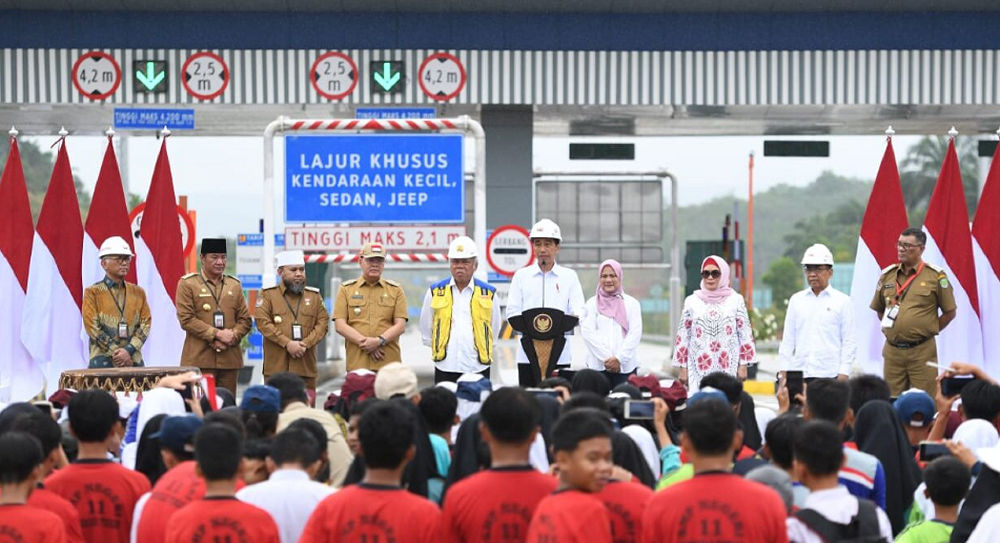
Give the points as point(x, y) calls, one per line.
point(150, 79)
point(387, 79)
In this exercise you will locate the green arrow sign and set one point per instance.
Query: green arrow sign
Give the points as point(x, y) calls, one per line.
point(387, 75)
point(150, 76)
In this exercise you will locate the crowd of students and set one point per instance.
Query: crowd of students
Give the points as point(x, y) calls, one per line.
point(571, 461)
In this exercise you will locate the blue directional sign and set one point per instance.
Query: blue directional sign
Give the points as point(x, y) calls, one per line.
point(132, 118)
point(374, 179)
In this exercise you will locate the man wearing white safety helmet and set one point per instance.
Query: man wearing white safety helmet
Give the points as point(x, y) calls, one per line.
point(819, 325)
point(544, 284)
point(115, 313)
point(460, 318)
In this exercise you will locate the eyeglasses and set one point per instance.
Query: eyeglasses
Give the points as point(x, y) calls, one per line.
point(121, 259)
point(906, 246)
point(714, 274)
point(815, 267)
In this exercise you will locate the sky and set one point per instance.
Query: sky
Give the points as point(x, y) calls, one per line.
point(223, 176)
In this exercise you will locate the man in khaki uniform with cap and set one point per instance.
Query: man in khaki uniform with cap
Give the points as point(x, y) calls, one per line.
point(212, 311)
point(292, 318)
point(907, 300)
point(370, 312)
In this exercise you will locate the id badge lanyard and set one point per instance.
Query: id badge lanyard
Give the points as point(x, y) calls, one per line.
point(296, 327)
point(890, 316)
point(218, 318)
point(122, 325)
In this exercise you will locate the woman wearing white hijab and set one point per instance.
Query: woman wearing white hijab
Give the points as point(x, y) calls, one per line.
point(714, 333)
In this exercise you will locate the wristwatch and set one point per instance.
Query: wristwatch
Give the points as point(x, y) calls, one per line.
point(381, 341)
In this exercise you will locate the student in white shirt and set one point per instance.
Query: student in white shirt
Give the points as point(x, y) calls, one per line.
point(819, 325)
point(544, 284)
point(612, 327)
point(829, 509)
point(290, 495)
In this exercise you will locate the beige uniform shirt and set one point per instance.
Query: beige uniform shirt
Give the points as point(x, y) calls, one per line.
point(278, 309)
point(918, 306)
point(371, 310)
point(197, 300)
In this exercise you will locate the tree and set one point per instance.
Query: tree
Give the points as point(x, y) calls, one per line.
point(837, 229)
point(785, 278)
point(37, 165)
point(919, 172)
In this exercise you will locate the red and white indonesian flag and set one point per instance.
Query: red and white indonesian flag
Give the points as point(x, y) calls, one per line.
point(51, 325)
point(885, 218)
point(160, 263)
point(986, 252)
point(20, 378)
point(949, 246)
point(108, 216)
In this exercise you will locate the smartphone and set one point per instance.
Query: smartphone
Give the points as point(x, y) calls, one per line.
point(795, 383)
point(550, 392)
point(929, 450)
point(639, 409)
point(952, 386)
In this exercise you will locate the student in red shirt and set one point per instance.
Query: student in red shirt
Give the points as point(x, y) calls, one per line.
point(496, 505)
point(179, 486)
point(715, 505)
point(20, 469)
point(581, 443)
point(378, 509)
point(41, 426)
point(219, 516)
point(103, 492)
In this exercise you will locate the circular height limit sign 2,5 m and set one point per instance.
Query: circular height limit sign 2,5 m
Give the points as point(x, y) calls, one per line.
point(333, 75)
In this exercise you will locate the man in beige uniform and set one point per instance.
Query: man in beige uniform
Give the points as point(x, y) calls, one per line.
point(292, 319)
point(370, 312)
point(907, 300)
point(213, 312)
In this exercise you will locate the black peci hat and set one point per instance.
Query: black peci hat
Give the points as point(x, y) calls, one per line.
point(213, 245)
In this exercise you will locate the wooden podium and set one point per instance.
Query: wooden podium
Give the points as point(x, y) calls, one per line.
point(543, 337)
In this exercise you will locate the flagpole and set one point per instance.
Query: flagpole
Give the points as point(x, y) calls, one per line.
point(749, 253)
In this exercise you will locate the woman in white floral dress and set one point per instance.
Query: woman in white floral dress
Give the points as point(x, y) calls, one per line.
point(714, 333)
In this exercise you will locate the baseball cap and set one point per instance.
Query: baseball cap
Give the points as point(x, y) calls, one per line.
point(915, 401)
point(373, 250)
point(395, 379)
point(177, 433)
point(262, 399)
point(707, 393)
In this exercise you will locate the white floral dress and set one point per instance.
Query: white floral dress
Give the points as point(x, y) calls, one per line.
point(713, 337)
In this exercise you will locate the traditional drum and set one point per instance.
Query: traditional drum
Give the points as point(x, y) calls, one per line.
point(134, 379)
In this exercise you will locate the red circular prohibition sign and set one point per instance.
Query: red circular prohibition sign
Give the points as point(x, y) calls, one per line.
point(461, 70)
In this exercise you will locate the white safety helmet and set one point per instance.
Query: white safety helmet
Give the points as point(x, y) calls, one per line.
point(462, 247)
point(818, 254)
point(114, 246)
point(545, 228)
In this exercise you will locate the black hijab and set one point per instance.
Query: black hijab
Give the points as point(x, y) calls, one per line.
point(985, 493)
point(470, 453)
point(626, 454)
point(550, 412)
point(751, 432)
point(878, 432)
point(148, 460)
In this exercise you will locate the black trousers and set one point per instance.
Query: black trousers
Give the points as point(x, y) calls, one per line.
point(616, 378)
point(454, 375)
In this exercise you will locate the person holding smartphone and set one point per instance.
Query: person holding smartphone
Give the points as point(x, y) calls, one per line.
point(714, 333)
point(818, 338)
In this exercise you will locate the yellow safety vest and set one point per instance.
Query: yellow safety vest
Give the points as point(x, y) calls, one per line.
point(482, 319)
